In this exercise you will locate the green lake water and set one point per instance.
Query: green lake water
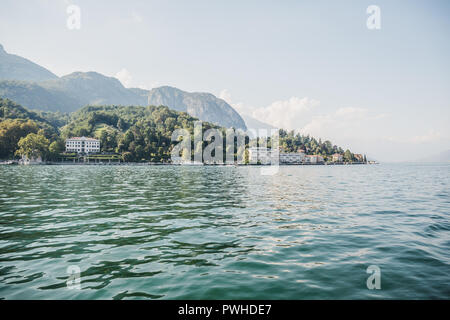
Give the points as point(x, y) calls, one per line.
point(179, 232)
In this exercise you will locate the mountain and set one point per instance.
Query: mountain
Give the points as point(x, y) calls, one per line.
point(440, 157)
point(95, 89)
point(204, 106)
point(71, 92)
point(37, 88)
point(13, 67)
point(35, 96)
point(78, 89)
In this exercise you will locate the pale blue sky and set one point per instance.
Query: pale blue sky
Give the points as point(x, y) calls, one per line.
point(310, 65)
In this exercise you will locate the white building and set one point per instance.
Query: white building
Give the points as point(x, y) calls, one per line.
point(82, 145)
point(291, 157)
point(260, 155)
point(268, 156)
point(310, 159)
point(313, 159)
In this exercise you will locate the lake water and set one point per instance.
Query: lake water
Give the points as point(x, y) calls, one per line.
point(170, 232)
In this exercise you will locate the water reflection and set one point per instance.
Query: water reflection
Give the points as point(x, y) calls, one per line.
point(224, 232)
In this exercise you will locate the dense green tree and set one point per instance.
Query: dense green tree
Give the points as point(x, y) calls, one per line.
point(11, 131)
point(348, 156)
point(127, 156)
point(291, 142)
point(33, 146)
point(56, 148)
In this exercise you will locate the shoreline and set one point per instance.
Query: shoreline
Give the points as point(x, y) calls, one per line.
point(51, 163)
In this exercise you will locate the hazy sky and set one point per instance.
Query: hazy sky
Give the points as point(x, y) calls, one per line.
point(313, 66)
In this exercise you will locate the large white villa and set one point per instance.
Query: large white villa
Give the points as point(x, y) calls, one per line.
point(82, 145)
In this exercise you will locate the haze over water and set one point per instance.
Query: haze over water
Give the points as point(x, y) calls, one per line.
point(178, 232)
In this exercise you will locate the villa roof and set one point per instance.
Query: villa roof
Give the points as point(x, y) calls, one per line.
point(82, 138)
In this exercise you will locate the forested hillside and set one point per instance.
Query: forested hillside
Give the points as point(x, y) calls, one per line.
point(138, 133)
point(134, 133)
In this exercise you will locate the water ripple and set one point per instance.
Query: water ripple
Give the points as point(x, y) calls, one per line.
point(224, 232)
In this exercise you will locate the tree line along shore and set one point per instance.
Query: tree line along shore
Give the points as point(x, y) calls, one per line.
point(127, 134)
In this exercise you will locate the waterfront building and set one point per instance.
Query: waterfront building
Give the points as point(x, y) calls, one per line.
point(313, 159)
point(337, 157)
point(359, 157)
point(82, 145)
point(291, 157)
point(267, 156)
point(260, 155)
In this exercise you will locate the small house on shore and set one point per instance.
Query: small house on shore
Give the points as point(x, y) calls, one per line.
point(337, 157)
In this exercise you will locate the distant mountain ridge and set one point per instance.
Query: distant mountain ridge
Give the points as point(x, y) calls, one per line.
point(204, 106)
point(42, 90)
point(13, 67)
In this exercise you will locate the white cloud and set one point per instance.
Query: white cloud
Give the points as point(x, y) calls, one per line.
point(303, 115)
point(344, 123)
point(357, 129)
point(240, 107)
point(225, 95)
point(286, 114)
point(124, 77)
